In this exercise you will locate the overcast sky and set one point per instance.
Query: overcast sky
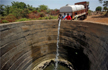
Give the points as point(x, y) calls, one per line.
point(52, 4)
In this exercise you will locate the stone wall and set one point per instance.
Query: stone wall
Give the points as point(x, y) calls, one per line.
point(91, 38)
point(23, 45)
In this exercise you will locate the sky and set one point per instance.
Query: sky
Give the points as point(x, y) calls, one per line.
point(53, 4)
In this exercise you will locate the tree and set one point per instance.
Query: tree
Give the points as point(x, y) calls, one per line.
point(30, 7)
point(48, 11)
point(42, 14)
point(38, 9)
point(105, 3)
point(25, 12)
point(99, 8)
point(6, 10)
point(55, 9)
point(20, 5)
point(15, 11)
point(105, 8)
point(43, 7)
point(2, 10)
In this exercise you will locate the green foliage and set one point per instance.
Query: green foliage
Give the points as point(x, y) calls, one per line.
point(6, 10)
point(16, 12)
point(34, 19)
point(55, 9)
point(2, 17)
point(19, 10)
point(40, 18)
point(99, 8)
point(38, 9)
point(23, 19)
point(89, 12)
point(25, 12)
point(46, 17)
point(105, 8)
point(10, 18)
point(50, 17)
point(20, 5)
point(42, 14)
point(48, 11)
point(105, 3)
point(30, 7)
point(43, 7)
point(53, 17)
point(5, 21)
point(2, 10)
point(29, 11)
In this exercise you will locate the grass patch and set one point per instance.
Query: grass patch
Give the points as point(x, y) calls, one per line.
point(5, 21)
point(23, 19)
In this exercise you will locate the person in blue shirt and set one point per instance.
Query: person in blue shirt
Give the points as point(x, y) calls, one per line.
point(64, 15)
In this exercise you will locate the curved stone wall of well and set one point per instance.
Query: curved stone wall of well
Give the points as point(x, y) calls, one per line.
point(85, 38)
point(23, 45)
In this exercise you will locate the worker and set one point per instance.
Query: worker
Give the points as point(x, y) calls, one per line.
point(64, 15)
point(60, 17)
point(68, 17)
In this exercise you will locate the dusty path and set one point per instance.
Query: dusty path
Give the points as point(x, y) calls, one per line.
point(97, 18)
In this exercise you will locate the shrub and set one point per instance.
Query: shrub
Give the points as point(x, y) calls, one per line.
point(89, 12)
point(47, 11)
point(40, 18)
point(42, 14)
point(30, 11)
point(34, 19)
point(10, 18)
point(33, 15)
point(24, 13)
point(46, 18)
point(53, 17)
point(35, 12)
point(17, 12)
point(50, 17)
point(2, 17)
point(23, 19)
point(5, 21)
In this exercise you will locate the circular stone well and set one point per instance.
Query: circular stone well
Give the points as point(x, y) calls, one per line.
point(24, 45)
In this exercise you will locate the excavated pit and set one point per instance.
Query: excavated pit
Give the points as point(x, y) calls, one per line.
point(29, 45)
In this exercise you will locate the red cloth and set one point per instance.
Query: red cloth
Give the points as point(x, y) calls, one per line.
point(68, 17)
